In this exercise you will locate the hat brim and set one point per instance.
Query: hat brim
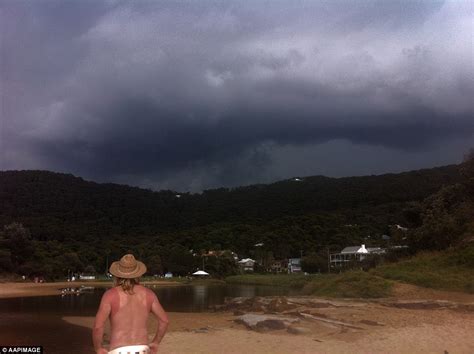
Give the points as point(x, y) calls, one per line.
point(138, 272)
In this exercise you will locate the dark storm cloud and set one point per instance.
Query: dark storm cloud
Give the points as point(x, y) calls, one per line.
point(189, 95)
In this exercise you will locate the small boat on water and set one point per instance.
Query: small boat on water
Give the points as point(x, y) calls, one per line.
point(86, 289)
point(77, 290)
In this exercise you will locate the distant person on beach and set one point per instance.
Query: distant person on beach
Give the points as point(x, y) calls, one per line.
point(128, 305)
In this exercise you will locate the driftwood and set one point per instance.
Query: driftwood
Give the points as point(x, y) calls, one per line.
point(329, 321)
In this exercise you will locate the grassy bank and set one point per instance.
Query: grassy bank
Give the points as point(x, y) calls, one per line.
point(448, 270)
point(203, 281)
point(451, 270)
point(289, 280)
point(356, 284)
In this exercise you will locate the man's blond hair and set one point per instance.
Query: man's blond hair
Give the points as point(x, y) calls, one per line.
point(126, 284)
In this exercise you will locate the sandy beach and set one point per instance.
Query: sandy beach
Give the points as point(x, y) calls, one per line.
point(415, 320)
point(396, 331)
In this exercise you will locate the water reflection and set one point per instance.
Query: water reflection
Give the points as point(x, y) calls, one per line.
point(195, 298)
point(200, 295)
point(246, 291)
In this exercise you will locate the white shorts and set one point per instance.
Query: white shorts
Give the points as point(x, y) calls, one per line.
point(131, 349)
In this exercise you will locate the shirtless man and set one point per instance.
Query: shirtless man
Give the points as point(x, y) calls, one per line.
point(128, 305)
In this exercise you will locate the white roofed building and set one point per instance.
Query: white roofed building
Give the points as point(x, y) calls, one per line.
point(246, 264)
point(353, 254)
point(294, 265)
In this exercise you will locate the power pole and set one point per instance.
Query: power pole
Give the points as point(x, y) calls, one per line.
point(329, 261)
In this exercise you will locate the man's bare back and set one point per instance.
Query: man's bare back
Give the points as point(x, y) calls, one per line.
point(128, 315)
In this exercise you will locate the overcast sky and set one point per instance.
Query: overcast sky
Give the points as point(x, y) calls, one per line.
point(191, 95)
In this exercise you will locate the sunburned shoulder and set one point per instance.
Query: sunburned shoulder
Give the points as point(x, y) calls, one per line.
point(109, 293)
point(109, 296)
point(150, 294)
point(140, 289)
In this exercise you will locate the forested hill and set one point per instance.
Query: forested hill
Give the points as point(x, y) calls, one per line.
point(51, 222)
point(35, 196)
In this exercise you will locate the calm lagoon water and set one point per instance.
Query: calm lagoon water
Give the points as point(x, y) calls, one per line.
point(37, 320)
point(195, 298)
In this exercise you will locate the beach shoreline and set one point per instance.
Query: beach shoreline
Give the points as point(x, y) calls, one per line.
point(402, 291)
point(27, 288)
point(333, 326)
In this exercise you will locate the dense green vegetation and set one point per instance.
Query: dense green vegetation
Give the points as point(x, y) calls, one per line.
point(52, 224)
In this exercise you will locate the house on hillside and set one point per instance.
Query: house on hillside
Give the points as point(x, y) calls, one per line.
point(353, 254)
point(246, 264)
point(294, 265)
point(279, 266)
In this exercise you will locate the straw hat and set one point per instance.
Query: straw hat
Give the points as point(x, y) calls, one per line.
point(128, 267)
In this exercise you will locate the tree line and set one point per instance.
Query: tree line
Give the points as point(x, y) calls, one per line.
point(54, 223)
